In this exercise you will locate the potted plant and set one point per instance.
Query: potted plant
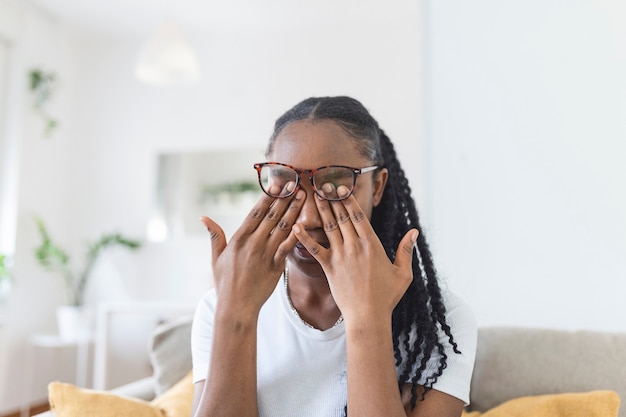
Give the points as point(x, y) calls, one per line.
point(53, 258)
point(42, 86)
point(5, 276)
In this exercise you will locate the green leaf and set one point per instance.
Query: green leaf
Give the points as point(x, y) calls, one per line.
point(52, 258)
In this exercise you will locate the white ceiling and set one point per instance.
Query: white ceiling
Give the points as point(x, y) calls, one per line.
point(136, 17)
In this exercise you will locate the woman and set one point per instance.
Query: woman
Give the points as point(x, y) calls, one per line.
point(326, 301)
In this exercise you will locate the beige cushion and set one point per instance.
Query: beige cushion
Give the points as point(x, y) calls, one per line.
point(586, 404)
point(170, 352)
point(67, 400)
point(516, 362)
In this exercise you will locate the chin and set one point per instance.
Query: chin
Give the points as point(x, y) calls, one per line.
point(305, 265)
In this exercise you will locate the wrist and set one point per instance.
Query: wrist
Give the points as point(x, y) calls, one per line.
point(244, 319)
point(364, 326)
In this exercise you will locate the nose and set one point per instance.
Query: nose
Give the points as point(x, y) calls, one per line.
point(309, 217)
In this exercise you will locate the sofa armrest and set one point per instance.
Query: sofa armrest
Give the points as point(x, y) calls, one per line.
point(142, 389)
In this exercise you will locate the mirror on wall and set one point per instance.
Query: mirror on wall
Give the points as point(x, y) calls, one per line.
point(221, 184)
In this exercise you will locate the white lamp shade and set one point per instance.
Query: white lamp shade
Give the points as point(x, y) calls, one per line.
point(167, 59)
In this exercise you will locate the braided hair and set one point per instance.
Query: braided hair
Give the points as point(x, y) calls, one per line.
point(420, 314)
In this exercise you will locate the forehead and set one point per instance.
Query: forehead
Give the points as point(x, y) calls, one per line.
point(311, 144)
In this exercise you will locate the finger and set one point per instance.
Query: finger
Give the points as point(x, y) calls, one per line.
point(358, 218)
point(327, 214)
point(285, 247)
point(277, 209)
point(218, 238)
point(258, 213)
point(282, 227)
point(341, 213)
point(315, 249)
point(404, 254)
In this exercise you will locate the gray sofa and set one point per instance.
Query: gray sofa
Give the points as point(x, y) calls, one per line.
point(511, 362)
point(515, 362)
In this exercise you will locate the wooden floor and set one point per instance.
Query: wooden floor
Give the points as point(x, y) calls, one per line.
point(35, 409)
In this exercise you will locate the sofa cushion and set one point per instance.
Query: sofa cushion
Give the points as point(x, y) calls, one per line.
point(585, 404)
point(170, 352)
point(67, 400)
point(514, 362)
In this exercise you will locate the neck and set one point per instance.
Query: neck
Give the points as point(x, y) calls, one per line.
point(312, 299)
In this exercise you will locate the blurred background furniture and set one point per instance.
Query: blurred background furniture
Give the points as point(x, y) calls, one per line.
point(53, 350)
point(511, 362)
point(122, 333)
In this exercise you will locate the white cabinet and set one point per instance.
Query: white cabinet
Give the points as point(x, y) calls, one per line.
point(51, 357)
point(123, 331)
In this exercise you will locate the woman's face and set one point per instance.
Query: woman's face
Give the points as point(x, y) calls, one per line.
point(309, 145)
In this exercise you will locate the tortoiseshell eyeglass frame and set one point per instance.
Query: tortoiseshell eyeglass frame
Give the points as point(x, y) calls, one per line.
point(311, 173)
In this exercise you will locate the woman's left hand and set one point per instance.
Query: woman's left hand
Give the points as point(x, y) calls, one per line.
point(362, 279)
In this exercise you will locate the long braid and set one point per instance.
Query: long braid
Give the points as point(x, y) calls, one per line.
point(421, 312)
point(421, 309)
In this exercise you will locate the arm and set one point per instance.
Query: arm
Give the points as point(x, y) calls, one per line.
point(246, 271)
point(366, 287)
point(231, 386)
point(372, 384)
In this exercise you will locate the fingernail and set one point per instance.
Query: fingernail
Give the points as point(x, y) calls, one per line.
point(295, 228)
point(274, 189)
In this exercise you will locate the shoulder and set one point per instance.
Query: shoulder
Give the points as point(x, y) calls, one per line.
point(455, 380)
point(462, 321)
point(205, 310)
point(207, 302)
point(459, 314)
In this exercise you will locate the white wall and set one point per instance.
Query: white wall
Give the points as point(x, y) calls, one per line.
point(249, 79)
point(36, 40)
point(97, 173)
point(526, 139)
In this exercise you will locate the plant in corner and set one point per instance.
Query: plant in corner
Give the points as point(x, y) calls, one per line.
point(54, 259)
point(42, 85)
point(5, 276)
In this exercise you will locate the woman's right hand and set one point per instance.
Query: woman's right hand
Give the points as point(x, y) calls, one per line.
point(247, 269)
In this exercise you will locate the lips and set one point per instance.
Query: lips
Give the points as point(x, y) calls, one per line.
point(303, 253)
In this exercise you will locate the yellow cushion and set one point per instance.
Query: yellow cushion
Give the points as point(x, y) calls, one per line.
point(67, 400)
point(584, 404)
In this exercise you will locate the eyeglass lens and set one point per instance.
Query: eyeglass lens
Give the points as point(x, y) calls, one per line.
point(279, 181)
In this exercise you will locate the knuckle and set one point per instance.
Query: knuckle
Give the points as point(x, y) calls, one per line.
point(272, 215)
point(283, 225)
point(235, 244)
point(343, 217)
point(314, 250)
point(358, 216)
point(256, 213)
point(329, 226)
point(357, 250)
point(294, 206)
point(408, 249)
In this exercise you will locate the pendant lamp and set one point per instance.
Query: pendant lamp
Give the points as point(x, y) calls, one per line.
point(167, 59)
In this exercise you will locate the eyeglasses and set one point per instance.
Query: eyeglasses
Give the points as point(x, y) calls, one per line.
point(281, 180)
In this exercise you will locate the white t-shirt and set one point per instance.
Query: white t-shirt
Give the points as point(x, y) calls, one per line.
point(302, 371)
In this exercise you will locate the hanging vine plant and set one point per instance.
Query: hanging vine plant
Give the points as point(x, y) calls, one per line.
point(42, 86)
